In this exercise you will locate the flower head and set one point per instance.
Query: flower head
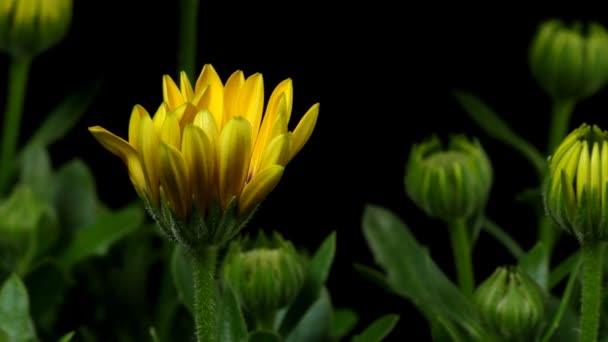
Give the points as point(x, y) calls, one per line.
point(568, 63)
point(575, 192)
point(28, 27)
point(449, 184)
point(511, 304)
point(210, 150)
point(265, 273)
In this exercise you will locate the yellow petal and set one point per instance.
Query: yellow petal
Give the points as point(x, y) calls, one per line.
point(604, 174)
point(174, 180)
point(185, 114)
point(285, 89)
point(259, 187)
point(304, 130)
point(268, 131)
point(232, 93)
point(159, 117)
point(233, 158)
point(171, 94)
point(205, 121)
point(595, 170)
point(198, 156)
point(582, 171)
point(251, 102)
point(148, 153)
point(277, 153)
point(124, 151)
point(136, 114)
point(185, 87)
point(171, 133)
point(209, 94)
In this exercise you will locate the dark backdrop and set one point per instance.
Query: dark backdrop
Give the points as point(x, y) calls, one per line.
point(382, 73)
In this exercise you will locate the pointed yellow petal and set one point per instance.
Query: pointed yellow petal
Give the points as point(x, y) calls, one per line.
point(582, 171)
point(259, 187)
point(251, 102)
point(136, 114)
point(277, 153)
point(198, 156)
point(124, 151)
point(209, 93)
point(304, 130)
point(208, 76)
point(185, 87)
point(185, 114)
point(595, 171)
point(171, 133)
point(205, 121)
point(159, 117)
point(285, 89)
point(232, 92)
point(174, 180)
point(268, 131)
point(233, 158)
point(148, 152)
point(171, 94)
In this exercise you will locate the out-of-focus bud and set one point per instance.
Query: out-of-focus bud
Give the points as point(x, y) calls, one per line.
point(449, 184)
point(24, 220)
point(29, 27)
point(569, 62)
point(575, 192)
point(266, 274)
point(511, 304)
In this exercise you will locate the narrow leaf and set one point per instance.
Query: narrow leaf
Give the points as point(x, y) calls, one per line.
point(181, 270)
point(378, 330)
point(67, 337)
point(15, 318)
point(233, 326)
point(344, 320)
point(535, 264)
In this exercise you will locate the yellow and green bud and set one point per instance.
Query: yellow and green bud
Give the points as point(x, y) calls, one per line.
point(570, 62)
point(29, 27)
point(452, 183)
point(575, 187)
point(511, 304)
point(266, 273)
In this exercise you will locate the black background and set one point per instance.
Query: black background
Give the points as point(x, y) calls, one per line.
point(382, 73)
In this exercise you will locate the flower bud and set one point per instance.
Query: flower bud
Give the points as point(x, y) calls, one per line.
point(510, 304)
point(575, 187)
point(568, 62)
point(449, 184)
point(266, 274)
point(24, 221)
point(28, 27)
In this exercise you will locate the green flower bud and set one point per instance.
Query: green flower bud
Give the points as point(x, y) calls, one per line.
point(28, 27)
point(266, 274)
point(449, 184)
point(570, 64)
point(510, 304)
point(27, 226)
point(575, 187)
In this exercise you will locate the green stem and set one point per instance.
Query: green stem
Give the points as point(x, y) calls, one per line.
point(593, 252)
point(204, 267)
point(503, 237)
point(186, 59)
point(560, 122)
point(15, 97)
point(461, 248)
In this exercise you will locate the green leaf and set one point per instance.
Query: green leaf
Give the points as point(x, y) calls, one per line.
point(15, 318)
point(374, 276)
point(74, 195)
point(96, 238)
point(565, 267)
point(378, 330)
point(559, 311)
point(64, 116)
point(496, 127)
point(342, 323)
point(320, 264)
point(153, 336)
point(181, 270)
point(535, 264)
point(444, 331)
point(315, 323)
point(319, 268)
point(67, 337)
point(233, 326)
point(36, 170)
point(262, 336)
point(4, 337)
point(47, 285)
point(503, 237)
point(413, 275)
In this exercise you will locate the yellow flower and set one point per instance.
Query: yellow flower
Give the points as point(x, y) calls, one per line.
point(211, 144)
